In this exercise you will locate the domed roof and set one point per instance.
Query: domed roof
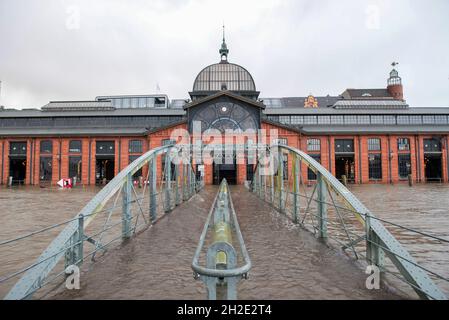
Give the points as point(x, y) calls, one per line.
point(224, 76)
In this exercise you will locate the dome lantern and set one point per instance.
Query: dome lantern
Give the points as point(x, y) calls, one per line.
point(224, 49)
point(224, 76)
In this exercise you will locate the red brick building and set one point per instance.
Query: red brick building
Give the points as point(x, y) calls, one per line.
point(368, 135)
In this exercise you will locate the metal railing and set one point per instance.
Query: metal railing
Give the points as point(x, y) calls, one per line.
point(221, 273)
point(113, 214)
point(329, 210)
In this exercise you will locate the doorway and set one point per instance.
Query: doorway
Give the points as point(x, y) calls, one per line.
point(104, 169)
point(17, 169)
point(226, 171)
point(433, 167)
point(345, 165)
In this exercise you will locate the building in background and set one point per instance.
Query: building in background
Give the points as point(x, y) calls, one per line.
point(367, 135)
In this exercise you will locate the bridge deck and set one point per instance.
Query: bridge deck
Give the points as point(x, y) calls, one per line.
point(288, 262)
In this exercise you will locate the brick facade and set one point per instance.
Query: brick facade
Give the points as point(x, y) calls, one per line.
point(389, 155)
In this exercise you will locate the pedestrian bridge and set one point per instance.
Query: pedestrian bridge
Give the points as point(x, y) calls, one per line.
point(292, 240)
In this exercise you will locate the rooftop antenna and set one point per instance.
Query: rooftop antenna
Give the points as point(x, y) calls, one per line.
point(158, 89)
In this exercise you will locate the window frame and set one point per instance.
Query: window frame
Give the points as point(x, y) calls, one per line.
point(72, 150)
point(135, 146)
point(46, 150)
point(374, 144)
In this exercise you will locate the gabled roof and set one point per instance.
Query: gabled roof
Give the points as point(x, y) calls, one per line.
point(225, 93)
point(367, 94)
point(370, 103)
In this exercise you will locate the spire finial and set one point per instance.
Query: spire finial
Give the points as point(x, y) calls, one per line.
point(224, 33)
point(224, 48)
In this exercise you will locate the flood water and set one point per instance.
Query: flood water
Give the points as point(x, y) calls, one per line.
point(288, 262)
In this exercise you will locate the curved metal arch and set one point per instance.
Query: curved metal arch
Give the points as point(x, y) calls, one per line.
point(34, 277)
point(403, 261)
point(211, 126)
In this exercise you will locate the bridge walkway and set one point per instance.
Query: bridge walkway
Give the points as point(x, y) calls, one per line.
point(288, 262)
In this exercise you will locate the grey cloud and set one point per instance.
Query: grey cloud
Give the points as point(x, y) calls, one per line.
point(292, 48)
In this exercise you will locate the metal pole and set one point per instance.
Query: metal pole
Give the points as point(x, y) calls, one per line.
point(281, 180)
point(177, 196)
point(167, 203)
point(152, 188)
point(374, 254)
point(80, 247)
point(189, 181)
point(126, 207)
point(74, 255)
point(322, 207)
point(184, 182)
point(263, 186)
point(296, 208)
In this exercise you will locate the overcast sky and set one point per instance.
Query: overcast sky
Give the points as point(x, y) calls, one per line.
point(77, 50)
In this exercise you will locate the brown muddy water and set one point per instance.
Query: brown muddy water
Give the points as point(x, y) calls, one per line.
point(288, 262)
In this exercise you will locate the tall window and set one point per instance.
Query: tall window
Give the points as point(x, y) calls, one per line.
point(405, 165)
point(46, 146)
point(284, 167)
point(167, 142)
point(45, 168)
point(75, 146)
point(310, 174)
point(375, 166)
point(135, 146)
point(374, 144)
point(403, 144)
point(138, 172)
point(313, 145)
point(75, 167)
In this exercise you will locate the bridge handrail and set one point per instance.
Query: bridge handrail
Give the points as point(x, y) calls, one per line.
point(240, 271)
point(35, 274)
point(415, 275)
